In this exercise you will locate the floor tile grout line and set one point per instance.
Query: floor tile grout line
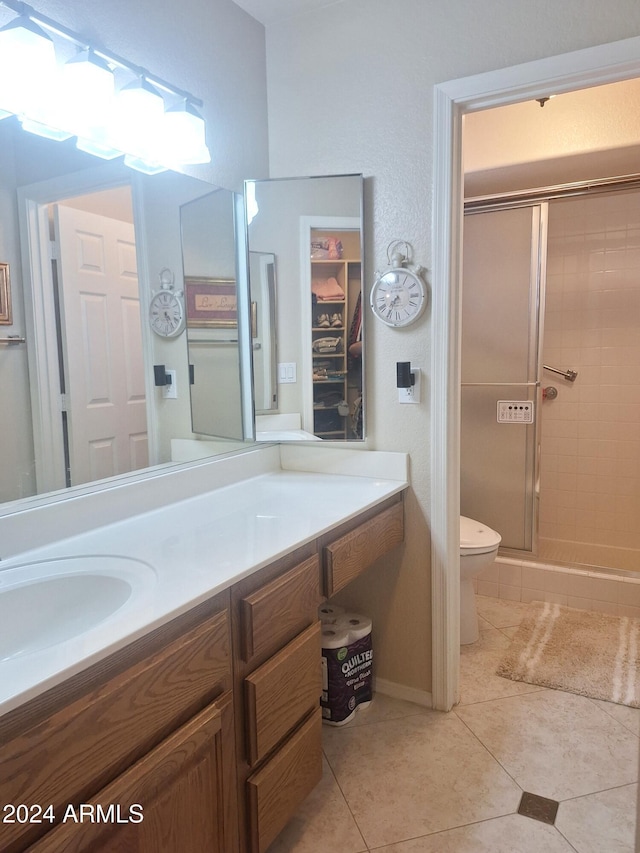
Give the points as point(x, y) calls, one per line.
point(448, 829)
point(596, 702)
point(346, 801)
point(485, 747)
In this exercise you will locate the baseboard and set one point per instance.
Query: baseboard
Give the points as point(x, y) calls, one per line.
point(401, 691)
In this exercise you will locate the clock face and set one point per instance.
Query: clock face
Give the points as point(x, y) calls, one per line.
point(166, 314)
point(398, 297)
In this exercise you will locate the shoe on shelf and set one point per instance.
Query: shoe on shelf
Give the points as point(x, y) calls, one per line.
point(323, 321)
point(336, 319)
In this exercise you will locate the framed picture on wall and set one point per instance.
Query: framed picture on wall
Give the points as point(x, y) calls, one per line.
point(211, 303)
point(5, 296)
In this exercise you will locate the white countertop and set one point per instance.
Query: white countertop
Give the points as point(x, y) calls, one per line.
point(193, 549)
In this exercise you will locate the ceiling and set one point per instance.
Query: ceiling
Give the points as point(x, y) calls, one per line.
point(269, 11)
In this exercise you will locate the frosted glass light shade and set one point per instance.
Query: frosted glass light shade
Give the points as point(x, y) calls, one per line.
point(183, 136)
point(27, 66)
point(46, 130)
point(86, 95)
point(91, 146)
point(137, 117)
point(143, 166)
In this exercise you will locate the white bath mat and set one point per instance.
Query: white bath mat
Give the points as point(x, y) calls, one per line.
point(593, 654)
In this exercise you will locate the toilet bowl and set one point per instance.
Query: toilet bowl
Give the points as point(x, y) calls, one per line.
point(478, 549)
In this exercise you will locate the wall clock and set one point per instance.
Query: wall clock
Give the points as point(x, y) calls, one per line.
point(166, 309)
point(398, 296)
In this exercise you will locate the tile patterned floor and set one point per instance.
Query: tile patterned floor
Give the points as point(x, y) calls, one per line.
point(405, 779)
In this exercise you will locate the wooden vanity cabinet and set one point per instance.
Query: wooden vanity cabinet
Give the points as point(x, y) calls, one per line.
point(277, 688)
point(151, 725)
point(211, 723)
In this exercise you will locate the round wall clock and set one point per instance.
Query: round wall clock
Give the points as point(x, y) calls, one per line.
point(166, 311)
point(398, 296)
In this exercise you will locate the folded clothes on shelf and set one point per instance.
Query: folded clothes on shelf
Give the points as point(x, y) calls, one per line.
point(326, 345)
point(327, 289)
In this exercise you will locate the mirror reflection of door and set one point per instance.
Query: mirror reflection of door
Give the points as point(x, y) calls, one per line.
point(100, 345)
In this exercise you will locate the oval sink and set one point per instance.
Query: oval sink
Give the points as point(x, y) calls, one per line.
point(43, 604)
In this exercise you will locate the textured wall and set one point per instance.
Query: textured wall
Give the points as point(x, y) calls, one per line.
point(350, 89)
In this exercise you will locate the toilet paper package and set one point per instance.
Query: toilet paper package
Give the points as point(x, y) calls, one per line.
point(329, 613)
point(347, 667)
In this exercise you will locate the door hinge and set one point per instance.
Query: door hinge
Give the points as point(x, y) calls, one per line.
point(53, 250)
point(64, 402)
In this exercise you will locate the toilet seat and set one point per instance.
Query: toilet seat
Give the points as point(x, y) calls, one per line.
point(477, 538)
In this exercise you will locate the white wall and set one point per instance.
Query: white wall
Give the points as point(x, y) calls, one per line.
point(361, 100)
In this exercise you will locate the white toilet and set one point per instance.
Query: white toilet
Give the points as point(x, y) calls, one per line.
point(478, 549)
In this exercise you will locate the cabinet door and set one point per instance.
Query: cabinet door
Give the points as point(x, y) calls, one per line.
point(176, 799)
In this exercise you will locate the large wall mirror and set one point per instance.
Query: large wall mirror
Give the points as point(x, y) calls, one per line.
point(80, 403)
point(305, 240)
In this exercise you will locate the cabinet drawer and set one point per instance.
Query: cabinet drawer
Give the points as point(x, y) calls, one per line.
point(282, 692)
point(82, 747)
point(278, 611)
point(276, 790)
point(345, 558)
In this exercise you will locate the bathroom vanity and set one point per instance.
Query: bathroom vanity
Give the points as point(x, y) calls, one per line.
point(190, 721)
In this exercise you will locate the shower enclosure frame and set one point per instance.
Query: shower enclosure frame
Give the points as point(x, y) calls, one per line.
point(533, 385)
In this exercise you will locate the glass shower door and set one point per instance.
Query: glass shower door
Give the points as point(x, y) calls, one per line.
point(501, 308)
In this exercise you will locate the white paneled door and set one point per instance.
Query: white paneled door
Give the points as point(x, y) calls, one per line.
point(101, 345)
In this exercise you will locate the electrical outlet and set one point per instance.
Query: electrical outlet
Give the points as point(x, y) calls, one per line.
point(170, 392)
point(412, 394)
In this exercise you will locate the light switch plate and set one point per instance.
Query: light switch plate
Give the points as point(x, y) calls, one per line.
point(287, 372)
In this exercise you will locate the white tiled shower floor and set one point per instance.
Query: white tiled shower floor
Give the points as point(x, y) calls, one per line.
point(404, 779)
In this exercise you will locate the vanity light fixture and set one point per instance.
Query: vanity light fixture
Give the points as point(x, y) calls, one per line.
point(59, 86)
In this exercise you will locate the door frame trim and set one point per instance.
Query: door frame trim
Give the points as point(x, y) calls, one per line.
point(41, 332)
point(580, 69)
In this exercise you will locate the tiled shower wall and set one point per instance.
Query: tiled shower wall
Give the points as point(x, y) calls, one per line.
point(590, 459)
